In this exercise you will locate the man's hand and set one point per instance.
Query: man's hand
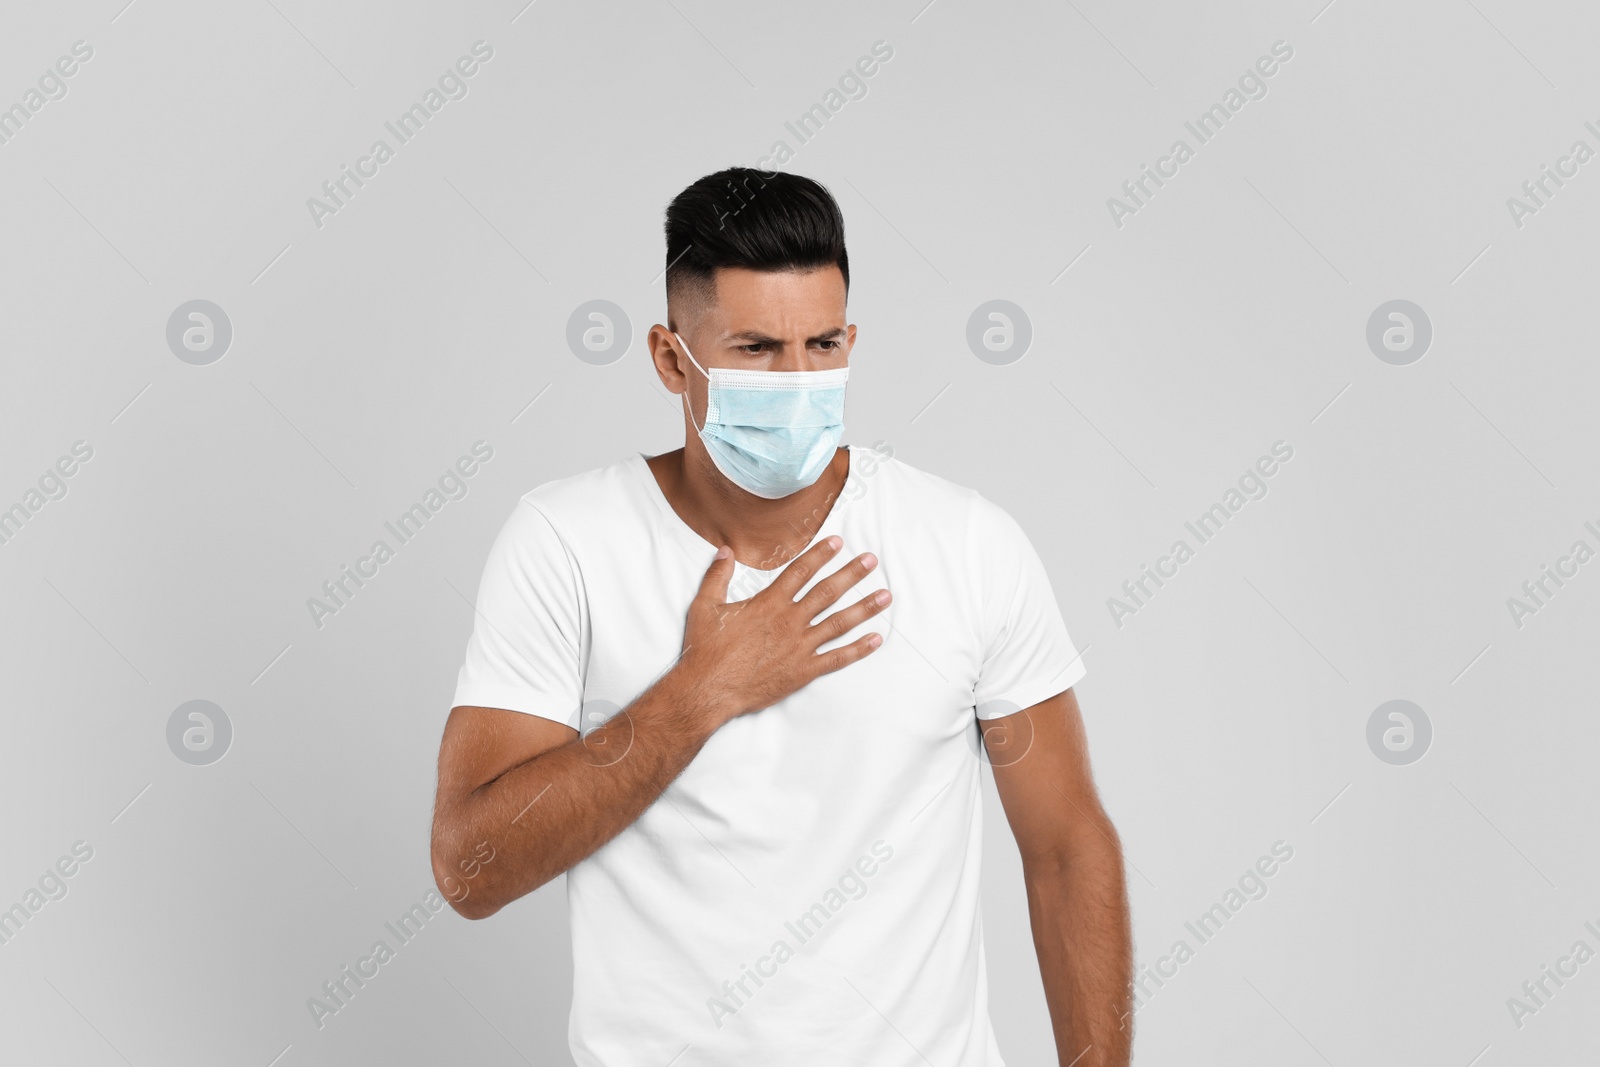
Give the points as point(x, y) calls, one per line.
point(749, 655)
point(531, 795)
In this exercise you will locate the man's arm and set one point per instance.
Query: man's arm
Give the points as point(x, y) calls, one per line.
point(1072, 864)
point(522, 798)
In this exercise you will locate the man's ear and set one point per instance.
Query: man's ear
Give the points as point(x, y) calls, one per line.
point(664, 353)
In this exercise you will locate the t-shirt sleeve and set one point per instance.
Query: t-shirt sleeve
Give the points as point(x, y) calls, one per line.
point(1027, 654)
point(528, 632)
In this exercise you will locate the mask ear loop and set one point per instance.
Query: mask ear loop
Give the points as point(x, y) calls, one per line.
point(688, 406)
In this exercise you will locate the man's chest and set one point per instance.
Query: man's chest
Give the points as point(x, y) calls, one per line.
point(636, 609)
point(888, 731)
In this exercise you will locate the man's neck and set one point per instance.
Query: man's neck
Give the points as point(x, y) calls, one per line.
point(765, 534)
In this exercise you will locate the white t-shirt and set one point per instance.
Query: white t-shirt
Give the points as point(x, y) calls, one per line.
point(806, 891)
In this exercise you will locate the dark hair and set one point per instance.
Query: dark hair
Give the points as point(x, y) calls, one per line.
point(760, 220)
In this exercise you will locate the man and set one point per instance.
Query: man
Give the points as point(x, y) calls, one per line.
point(773, 847)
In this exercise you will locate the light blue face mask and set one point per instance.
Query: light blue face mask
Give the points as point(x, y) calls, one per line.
point(772, 433)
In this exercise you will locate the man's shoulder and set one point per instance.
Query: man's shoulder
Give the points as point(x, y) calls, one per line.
point(879, 464)
point(979, 518)
point(573, 502)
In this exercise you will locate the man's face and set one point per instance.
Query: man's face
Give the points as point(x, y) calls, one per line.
point(757, 320)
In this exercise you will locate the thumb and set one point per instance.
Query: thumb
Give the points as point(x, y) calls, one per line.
point(714, 586)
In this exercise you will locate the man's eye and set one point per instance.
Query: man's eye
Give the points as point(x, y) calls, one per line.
point(755, 349)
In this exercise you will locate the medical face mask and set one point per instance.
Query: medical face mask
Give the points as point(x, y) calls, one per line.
point(771, 432)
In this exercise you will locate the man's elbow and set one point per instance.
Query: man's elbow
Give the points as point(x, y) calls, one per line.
point(468, 900)
point(472, 906)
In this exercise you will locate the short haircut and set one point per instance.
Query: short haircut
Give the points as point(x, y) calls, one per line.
point(759, 220)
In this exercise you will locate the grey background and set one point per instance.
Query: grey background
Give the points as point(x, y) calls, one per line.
point(432, 310)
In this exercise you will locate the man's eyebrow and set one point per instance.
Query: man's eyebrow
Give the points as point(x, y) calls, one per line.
point(755, 337)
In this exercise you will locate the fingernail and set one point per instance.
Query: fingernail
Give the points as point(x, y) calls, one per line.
point(869, 561)
point(874, 640)
point(835, 542)
point(881, 597)
point(722, 553)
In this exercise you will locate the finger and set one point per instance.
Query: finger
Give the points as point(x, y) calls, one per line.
point(844, 620)
point(839, 658)
point(714, 586)
point(802, 567)
point(831, 588)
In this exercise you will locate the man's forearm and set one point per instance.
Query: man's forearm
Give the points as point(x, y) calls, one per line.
point(543, 816)
point(1079, 910)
